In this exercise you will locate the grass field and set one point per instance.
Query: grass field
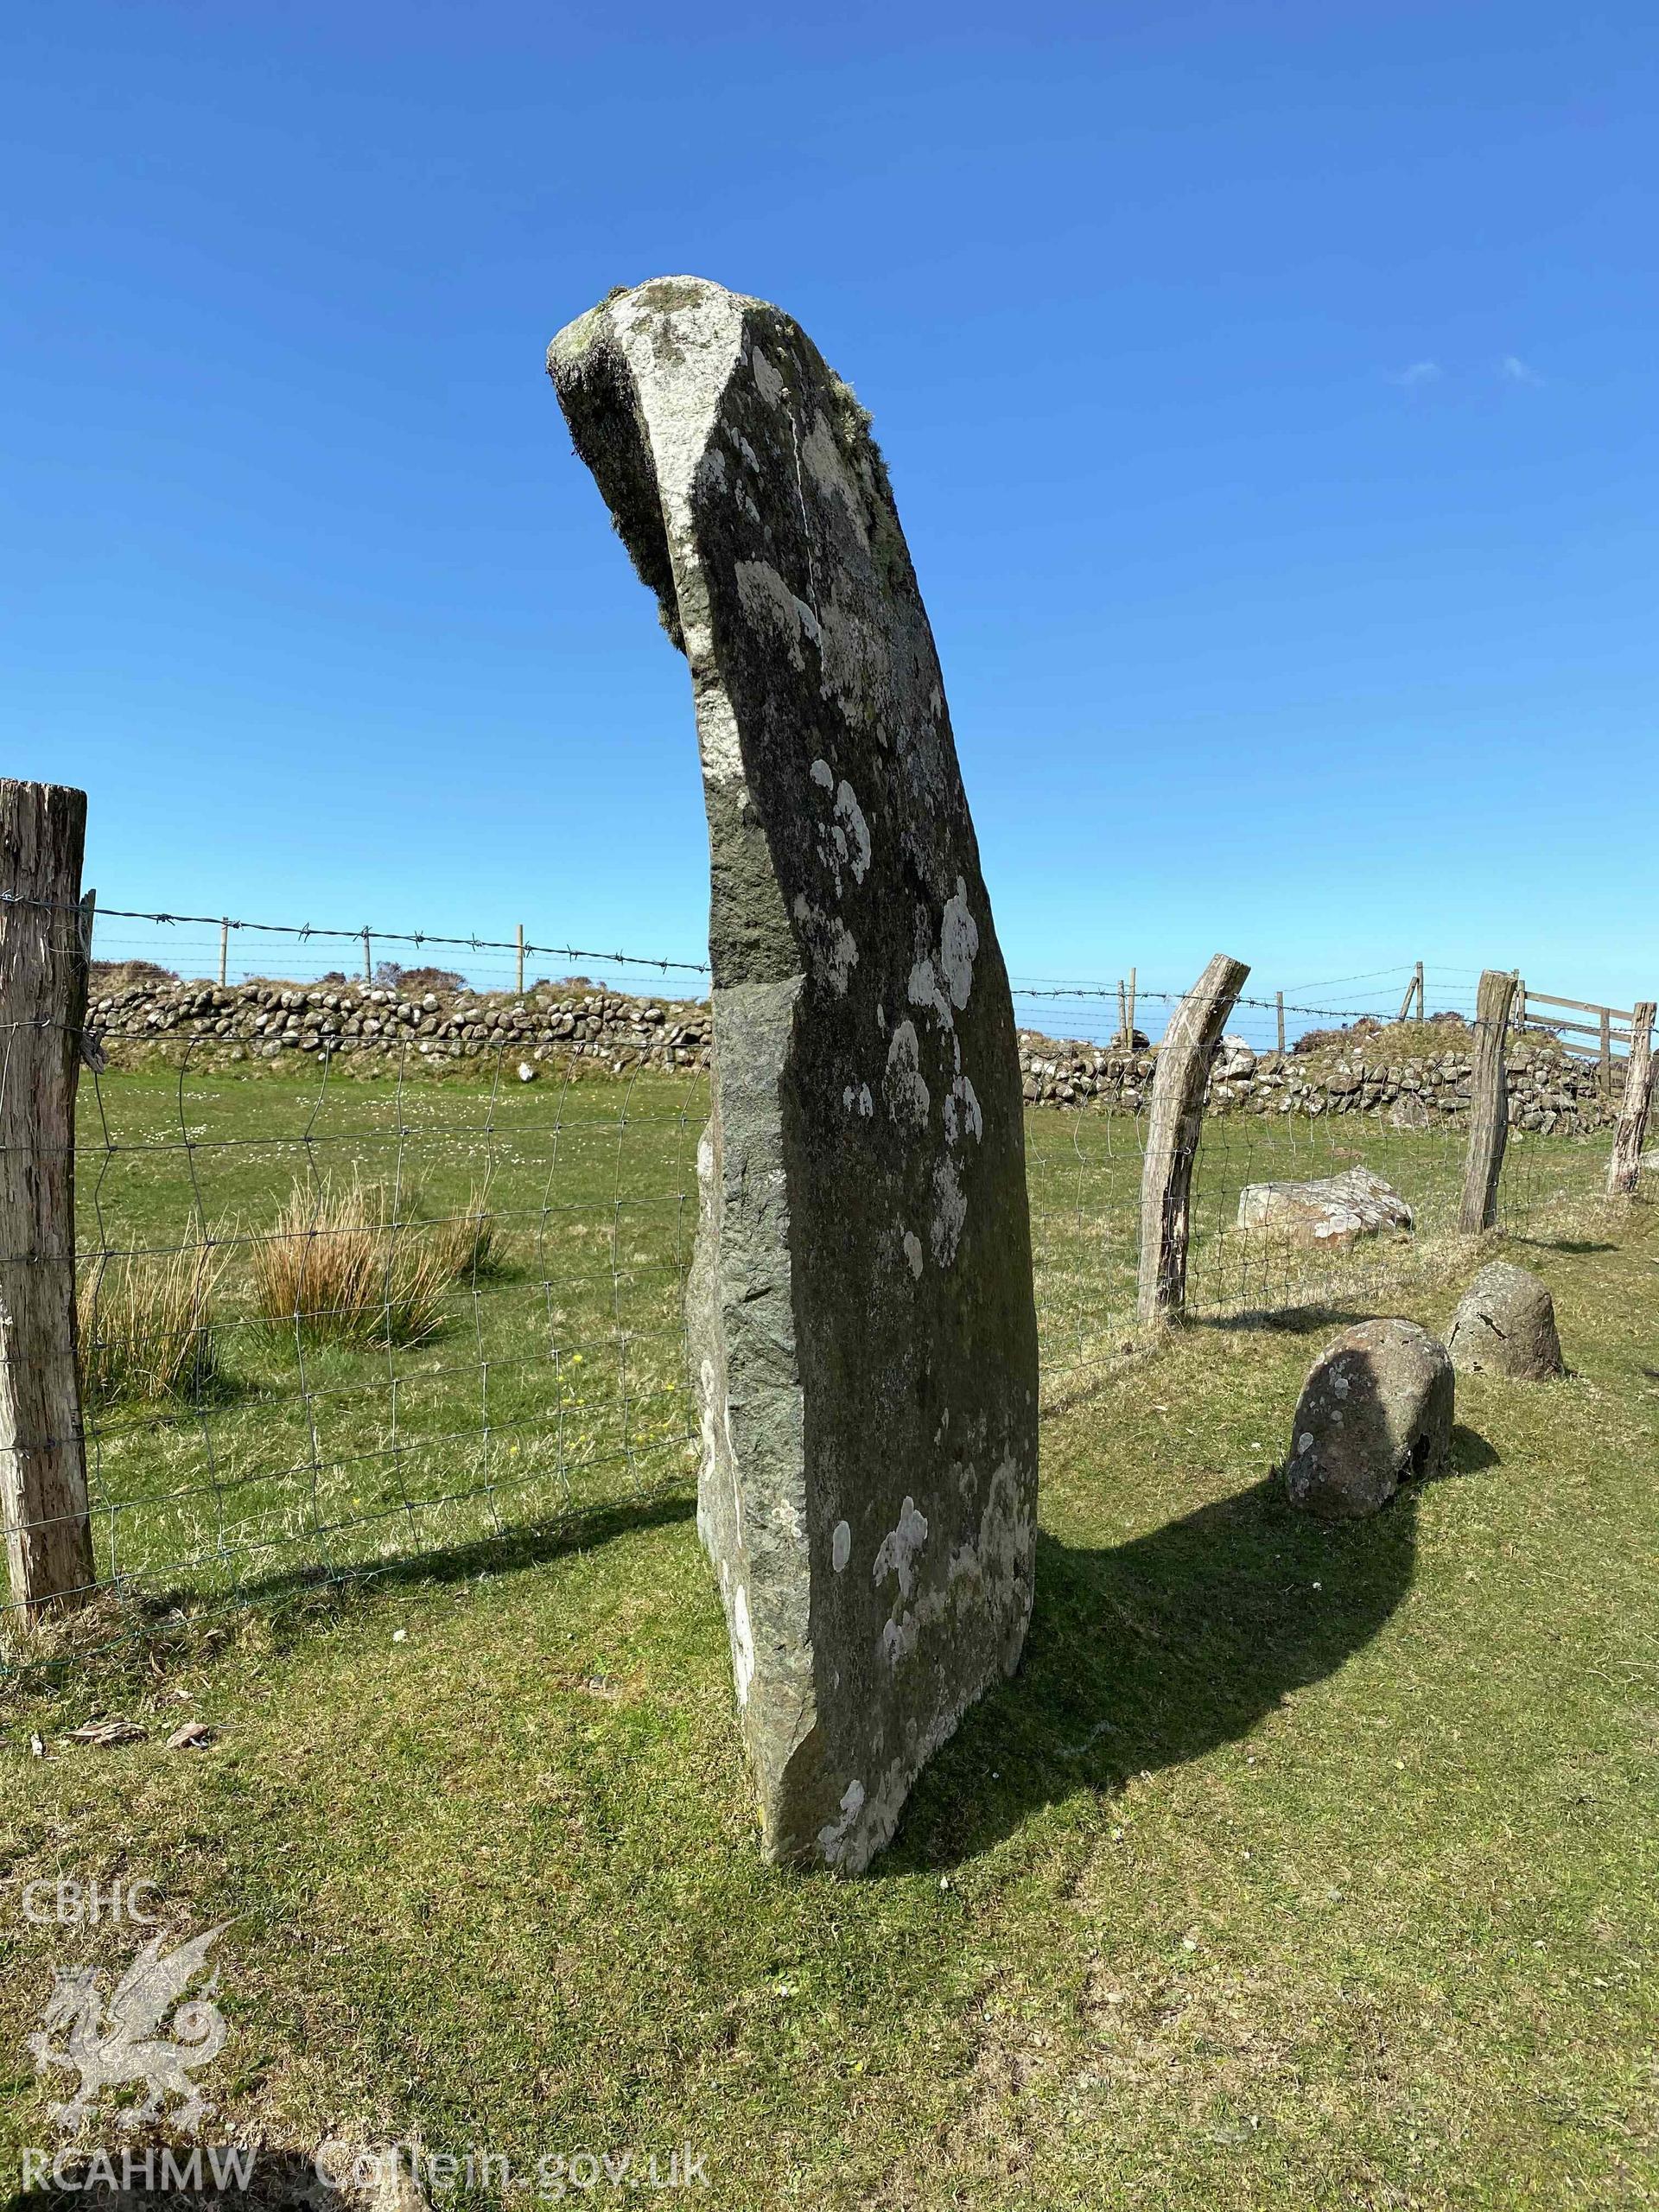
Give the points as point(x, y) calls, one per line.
point(555, 1383)
point(1297, 1867)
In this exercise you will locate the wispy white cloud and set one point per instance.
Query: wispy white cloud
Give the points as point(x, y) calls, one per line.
point(1418, 374)
point(1513, 370)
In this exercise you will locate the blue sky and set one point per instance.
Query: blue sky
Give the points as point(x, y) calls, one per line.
point(1268, 392)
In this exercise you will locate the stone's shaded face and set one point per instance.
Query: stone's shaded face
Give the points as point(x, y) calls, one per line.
point(1505, 1325)
point(859, 1313)
point(1375, 1410)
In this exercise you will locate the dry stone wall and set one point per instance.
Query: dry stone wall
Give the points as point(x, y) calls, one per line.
point(613, 1032)
point(285, 1023)
point(1549, 1091)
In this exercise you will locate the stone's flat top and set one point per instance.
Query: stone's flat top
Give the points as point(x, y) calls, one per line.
point(1356, 1202)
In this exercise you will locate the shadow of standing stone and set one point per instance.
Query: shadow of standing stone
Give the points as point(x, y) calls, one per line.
point(860, 1314)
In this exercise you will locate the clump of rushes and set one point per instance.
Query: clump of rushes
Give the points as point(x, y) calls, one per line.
point(144, 1325)
point(338, 1268)
point(467, 1243)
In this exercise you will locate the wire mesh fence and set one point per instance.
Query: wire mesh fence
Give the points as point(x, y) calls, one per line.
point(385, 1278)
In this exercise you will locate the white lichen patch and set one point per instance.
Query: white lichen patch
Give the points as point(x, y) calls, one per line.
point(850, 819)
point(832, 1839)
point(705, 1417)
point(961, 1112)
point(829, 943)
point(764, 597)
point(840, 1546)
point(913, 1253)
point(949, 1211)
point(923, 989)
point(903, 1086)
point(829, 472)
point(843, 841)
point(897, 1551)
point(767, 382)
point(742, 1645)
point(959, 946)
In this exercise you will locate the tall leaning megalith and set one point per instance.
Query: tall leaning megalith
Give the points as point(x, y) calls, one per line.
point(860, 1311)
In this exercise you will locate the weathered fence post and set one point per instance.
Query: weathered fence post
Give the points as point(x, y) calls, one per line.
point(1278, 1007)
point(519, 987)
point(1488, 1120)
point(1182, 1068)
point(42, 1007)
point(1413, 991)
point(1624, 1168)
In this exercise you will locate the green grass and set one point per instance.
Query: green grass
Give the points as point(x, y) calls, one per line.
point(1298, 1866)
point(554, 1383)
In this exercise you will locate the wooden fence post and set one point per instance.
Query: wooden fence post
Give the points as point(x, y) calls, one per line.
point(1278, 1004)
point(520, 991)
point(1624, 1169)
point(1489, 1123)
point(224, 954)
point(43, 1008)
point(1413, 991)
point(1183, 1069)
point(1129, 1026)
point(368, 960)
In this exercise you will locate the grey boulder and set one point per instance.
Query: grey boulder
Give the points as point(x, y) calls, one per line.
point(1337, 1210)
point(1505, 1325)
point(1376, 1409)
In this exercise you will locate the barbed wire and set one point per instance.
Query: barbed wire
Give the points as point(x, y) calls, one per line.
point(304, 931)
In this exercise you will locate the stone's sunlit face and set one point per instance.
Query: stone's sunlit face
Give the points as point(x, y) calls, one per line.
point(860, 1307)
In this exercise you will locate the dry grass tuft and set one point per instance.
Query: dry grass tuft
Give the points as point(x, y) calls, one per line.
point(468, 1243)
point(336, 1268)
point(144, 1326)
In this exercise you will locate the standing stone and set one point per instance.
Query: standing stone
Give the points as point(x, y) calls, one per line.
point(1376, 1409)
point(1505, 1325)
point(860, 1316)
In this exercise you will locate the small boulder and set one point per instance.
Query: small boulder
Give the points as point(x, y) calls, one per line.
point(1337, 1210)
point(1505, 1325)
point(1376, 1409)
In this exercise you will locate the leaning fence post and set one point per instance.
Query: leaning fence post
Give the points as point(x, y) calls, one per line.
point(1182, 1068)
point(43, 1009)
point(1489, 1121)
point(1624, 1168)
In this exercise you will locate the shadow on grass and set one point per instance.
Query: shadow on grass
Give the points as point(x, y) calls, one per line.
point(1293, 1321)
point(1580, 1245)
point(1152, 1653)
point(131, 1642)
